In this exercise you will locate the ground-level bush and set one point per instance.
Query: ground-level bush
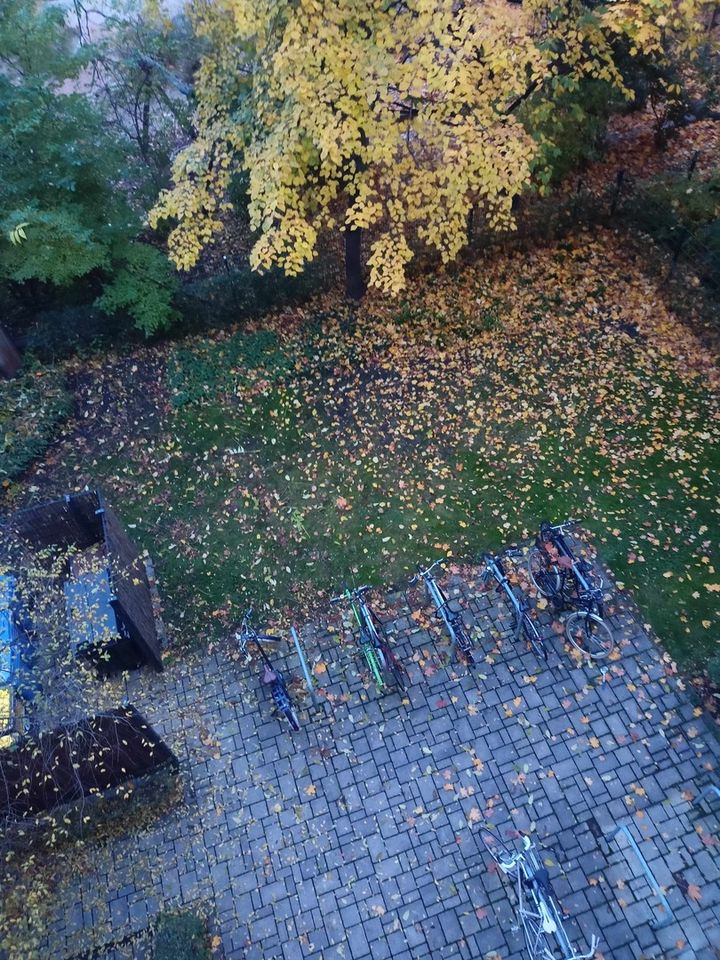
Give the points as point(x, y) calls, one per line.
point(684, 216)
point(181, 936)
point(31, 406)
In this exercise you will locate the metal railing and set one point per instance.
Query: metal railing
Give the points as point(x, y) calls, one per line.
point(709, 789)
point(650, 876)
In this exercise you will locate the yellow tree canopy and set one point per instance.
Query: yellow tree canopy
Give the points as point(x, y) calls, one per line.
point(389, 115)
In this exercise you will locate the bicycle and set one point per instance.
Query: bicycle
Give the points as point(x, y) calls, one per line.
point(523, 621)
point(571, 582)
point(271, 677)
point(381, 661)
point(459, 637)
point(540, 913)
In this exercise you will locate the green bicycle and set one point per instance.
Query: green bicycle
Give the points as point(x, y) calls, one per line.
point(385, 668)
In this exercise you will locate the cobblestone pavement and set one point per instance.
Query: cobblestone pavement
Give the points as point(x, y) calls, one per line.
point(358, 837)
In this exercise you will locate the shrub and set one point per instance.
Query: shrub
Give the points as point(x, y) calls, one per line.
point(181, 936)
point(31, 406)
point(679, 213)
point(230, 296)
point(673, 202)
point(143, 285)
point(570, 126)
point(74, 328)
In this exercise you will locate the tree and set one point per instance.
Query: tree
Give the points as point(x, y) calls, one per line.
point(397, 117)
point(141, 78)
point(64, 215)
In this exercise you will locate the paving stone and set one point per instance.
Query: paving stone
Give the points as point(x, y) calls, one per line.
point(357, 837)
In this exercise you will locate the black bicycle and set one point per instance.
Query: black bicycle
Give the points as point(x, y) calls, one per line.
point(571, 582)
point(524, 624)
point(459, 637)
point(271, 677)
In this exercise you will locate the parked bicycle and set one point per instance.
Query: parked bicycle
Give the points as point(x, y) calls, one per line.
point(524, 624)
point(452, 619)
point(382, 663)
point(539, 911)
point(569, 581)
point(271, 677)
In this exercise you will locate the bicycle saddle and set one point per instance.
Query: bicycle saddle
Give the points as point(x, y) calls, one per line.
point(269, 676)
point(541, 877)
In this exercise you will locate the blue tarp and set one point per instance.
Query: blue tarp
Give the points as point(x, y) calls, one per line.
point(8, 652)
point(91, 616)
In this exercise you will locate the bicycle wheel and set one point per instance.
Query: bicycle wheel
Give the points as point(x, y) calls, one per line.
point(462, 641)
point(292, 717)
point(504, 856)
point(535, 937)
point(589, 634)
point(467, 655)
point(399, 675)
point(533, 636)
point(395, 668)
point(371, 658)
point(545, 576)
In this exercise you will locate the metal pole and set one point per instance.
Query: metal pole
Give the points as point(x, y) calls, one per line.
point(710, 788)
point(669, 917)
point(303, 664)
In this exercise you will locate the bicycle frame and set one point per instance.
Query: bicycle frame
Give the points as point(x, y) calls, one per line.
point(372, 640)
point(363, 614)
point(495, 569)
point(451, 619)
point(538, 906)
point(278, 687)
point(369, 639)
point(588, 594)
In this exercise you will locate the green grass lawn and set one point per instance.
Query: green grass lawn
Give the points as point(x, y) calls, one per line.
point(340, 446)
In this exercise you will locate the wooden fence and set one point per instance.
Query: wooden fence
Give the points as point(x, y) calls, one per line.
point(71, 763)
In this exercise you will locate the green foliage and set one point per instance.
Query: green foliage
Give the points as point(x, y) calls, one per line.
point(58, 247)
point(569, 126)
point(31, 406)
point(57, 148)
point(683, 214)
point(674, 202)
point(230, 296)
point(76, 328)
point(144, 286)
point(181, 936)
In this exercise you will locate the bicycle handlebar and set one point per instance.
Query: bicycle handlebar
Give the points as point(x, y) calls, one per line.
point(507, 552)
point(422, 574)
point(570, 522)
point(350, 594)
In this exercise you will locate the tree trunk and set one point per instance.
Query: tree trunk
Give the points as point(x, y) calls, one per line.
point(354, 283)
point(9, 357)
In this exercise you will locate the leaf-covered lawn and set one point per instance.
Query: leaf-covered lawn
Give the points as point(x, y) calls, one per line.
point(339, 445)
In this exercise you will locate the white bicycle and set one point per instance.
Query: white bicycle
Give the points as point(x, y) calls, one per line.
point(540, 913)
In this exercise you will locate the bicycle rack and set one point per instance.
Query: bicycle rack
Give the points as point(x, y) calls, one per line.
point(669, 915)
point(304, 665)
point(710, 788)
